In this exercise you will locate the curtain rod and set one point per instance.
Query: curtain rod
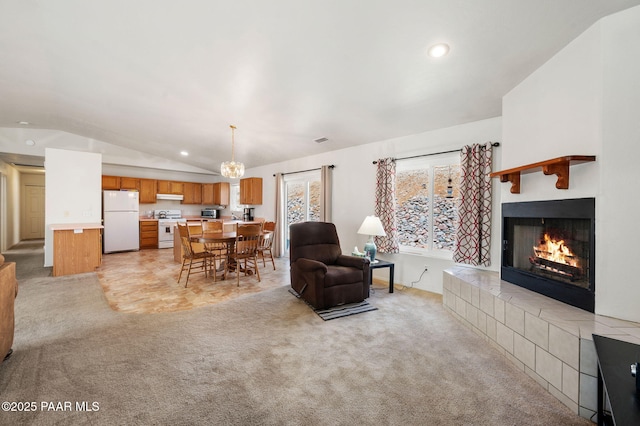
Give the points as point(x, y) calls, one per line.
point(332, 166)
point(436, 153)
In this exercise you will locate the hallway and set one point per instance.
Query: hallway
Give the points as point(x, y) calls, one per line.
point(29, 258)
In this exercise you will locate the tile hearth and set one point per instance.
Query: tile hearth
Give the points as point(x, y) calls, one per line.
point(550, 341)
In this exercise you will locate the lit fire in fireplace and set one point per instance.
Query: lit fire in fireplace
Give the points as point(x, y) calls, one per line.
point(554, 256)
point(555, 251)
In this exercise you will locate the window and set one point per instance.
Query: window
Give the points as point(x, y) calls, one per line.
point(427, 204)
point(234, 199)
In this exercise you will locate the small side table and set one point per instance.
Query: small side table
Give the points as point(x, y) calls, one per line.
point(615, 381)
point(382, 264)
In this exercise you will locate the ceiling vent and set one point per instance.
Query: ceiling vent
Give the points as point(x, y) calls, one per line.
point(27, 165)
point(320, 140)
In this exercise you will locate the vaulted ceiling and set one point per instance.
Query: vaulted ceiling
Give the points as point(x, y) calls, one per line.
point(160, 76)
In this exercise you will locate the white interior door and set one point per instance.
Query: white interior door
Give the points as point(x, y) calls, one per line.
point(32, 212)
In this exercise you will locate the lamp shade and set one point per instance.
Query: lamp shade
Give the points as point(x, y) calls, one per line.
point(372, 226)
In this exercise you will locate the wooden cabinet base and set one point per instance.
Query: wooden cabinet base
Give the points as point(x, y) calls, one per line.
point(148, 234)
point(76, 252)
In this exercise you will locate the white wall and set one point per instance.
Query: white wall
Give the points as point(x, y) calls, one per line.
point(73, 191)
point(10, 224)
point(354, 191)
point(555, 112)
point(618, 290)
point(584, 101)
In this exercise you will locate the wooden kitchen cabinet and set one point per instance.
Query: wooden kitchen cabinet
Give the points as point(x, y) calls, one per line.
point(170, 187)
point(207, 193)
point(148, 191)
point(129, 183)
point(251, 191)
point(215, 193)
point(176, 187)
point(192, 193)
point(110, 183)
point(148, 234)
point(221, 193)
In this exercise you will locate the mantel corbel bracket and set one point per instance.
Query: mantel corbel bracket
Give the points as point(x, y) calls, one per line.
point(556, 166)
point(514, 178)
point(561, 170)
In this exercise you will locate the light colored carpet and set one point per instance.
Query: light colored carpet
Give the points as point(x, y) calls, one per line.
point(261, 359)
point(29, 258)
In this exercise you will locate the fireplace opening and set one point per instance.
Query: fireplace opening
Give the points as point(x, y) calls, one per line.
point(549, 247)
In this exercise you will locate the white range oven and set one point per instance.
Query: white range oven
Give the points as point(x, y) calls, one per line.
point(167, 220)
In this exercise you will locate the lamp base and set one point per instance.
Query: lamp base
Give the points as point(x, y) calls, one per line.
point(370, 250)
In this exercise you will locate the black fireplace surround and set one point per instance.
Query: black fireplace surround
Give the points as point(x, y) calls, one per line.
point(570, 223)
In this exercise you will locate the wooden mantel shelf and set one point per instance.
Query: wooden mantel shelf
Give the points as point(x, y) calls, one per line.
point(556, 166)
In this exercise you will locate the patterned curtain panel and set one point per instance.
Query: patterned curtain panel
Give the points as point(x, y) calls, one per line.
point(386, 205)
point(474, 229)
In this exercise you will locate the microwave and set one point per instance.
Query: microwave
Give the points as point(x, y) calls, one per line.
point(210, 213)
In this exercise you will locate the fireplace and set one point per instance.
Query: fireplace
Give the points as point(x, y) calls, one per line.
point(549, 247)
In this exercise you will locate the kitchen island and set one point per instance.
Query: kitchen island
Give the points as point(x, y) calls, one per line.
point(77, 248)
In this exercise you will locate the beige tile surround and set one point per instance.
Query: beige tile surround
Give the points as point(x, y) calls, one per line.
point(549, 340)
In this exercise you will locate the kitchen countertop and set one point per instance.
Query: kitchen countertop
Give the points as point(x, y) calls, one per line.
point(233, 222)
point(72, 226)
point(223, 220)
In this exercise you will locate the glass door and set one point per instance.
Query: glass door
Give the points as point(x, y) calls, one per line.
point(302, 195)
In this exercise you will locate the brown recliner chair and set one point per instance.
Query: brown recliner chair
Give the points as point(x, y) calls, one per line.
point(8, 293)
point(320, 273)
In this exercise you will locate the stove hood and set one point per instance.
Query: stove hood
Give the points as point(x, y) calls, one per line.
point(175, 197)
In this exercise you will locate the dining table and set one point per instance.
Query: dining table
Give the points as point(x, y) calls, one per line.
point(217, 238)
point(226, 238)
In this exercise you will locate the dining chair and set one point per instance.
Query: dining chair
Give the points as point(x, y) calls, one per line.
point(265, 247)
point(212, 226)
point(269, 226)
point(219, 250)
point(195, 228)
point(245, 254)
point(190, 258)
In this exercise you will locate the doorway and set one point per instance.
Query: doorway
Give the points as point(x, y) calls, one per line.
point(32, 212)
point(302, 196)
point(3, 212)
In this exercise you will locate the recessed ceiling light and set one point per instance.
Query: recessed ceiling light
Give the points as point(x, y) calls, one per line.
point(438, 50)
point(23, 123)
point(320, 140)
point(184, 153)
point(30, 142)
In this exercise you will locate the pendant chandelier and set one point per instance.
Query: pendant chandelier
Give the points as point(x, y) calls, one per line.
point(231, 169)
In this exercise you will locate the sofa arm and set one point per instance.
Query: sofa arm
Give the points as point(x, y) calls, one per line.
point(352, 261)
point(12, 276)
point(309, 265)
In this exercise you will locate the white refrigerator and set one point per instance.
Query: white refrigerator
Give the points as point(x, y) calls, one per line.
point(120, 219)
